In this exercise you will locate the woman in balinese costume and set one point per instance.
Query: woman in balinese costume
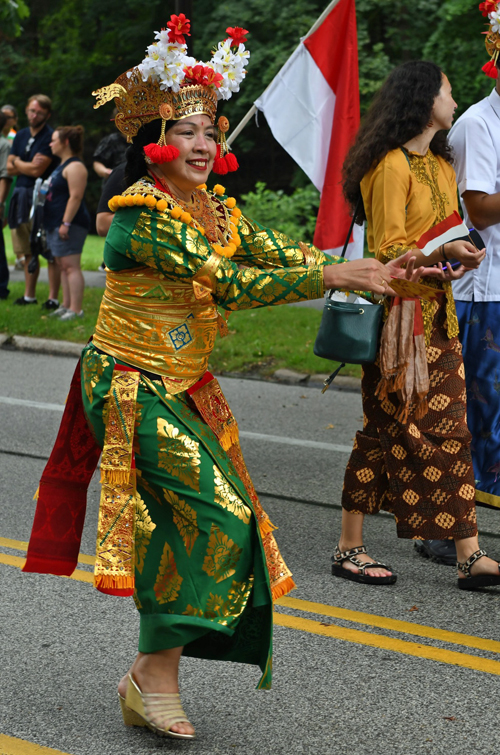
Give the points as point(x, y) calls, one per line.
point(413, 455)
point(180, 525)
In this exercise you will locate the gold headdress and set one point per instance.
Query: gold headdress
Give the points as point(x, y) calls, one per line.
point(171, 85)
point(491, 9)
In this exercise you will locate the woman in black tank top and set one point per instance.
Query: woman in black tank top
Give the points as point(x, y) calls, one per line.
point(66, 218)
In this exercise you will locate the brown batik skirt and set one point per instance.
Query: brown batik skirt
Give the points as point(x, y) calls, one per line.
point(422, 470)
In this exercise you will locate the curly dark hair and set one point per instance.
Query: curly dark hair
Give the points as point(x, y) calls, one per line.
point(399, 112)
point(136, 166)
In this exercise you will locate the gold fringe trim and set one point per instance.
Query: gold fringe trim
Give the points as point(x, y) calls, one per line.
point(111, 476)
point(37, 493)
point(229, 437)
point(265, 527)
point(283, 588)
point(108, 582)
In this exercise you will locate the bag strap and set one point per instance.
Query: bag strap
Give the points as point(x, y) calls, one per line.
point(356, 209)
point(332, 377)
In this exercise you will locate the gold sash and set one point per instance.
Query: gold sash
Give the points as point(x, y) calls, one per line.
point(159, 325)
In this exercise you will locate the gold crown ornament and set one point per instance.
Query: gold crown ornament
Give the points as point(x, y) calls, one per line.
point(491, 9)
point(169, 84)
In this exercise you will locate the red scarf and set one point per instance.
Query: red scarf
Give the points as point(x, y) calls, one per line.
point(60, 513)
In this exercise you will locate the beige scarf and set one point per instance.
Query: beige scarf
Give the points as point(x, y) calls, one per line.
point(403, 359)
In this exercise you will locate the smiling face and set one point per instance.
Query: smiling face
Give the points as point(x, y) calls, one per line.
point(195, 138)
point(444, 106)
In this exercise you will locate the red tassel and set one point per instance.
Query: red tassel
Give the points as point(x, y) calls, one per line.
point(220, 166)
point(232, 162)
point(490, 69)
point(159, 154)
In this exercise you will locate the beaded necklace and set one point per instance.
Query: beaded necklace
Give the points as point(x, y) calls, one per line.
point(177, 210)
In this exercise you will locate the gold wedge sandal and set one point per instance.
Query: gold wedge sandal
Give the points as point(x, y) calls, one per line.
point(159, 711)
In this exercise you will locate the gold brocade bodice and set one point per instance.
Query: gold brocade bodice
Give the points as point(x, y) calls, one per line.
point(158, 325)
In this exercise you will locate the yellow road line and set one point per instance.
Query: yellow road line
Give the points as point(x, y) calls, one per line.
point(15, 746)
point(78, 574)
point(355, 635)
point(389, 643)
point(22, 545)
point(394, 625)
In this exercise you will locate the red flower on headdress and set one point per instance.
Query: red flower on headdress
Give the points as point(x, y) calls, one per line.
point(237, 35)
point(489, 6)
point(178, 26)
point(203, 75)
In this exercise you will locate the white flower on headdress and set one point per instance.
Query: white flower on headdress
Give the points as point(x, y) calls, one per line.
point(495, 21)
point(165, 63)
point(166, 60)
point(231, 66)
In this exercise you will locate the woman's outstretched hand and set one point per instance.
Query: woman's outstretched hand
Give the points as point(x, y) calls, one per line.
point(371, 275)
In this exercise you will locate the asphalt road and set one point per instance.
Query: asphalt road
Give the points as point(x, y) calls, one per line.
point(358, 670)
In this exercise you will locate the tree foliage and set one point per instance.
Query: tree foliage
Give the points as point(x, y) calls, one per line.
point(12, 13)
point(70, 47)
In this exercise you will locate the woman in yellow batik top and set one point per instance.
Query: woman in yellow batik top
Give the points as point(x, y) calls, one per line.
point(412, 457)
point(180, 525)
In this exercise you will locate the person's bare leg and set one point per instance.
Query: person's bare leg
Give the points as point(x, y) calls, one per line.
point(64, 283)
point(30, 279)
point(157, 672)
point(76, 281)
point(351, 536)
point(465, 548)
point(54, 273)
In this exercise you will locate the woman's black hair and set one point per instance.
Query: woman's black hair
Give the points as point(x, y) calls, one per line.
point(136, 166)
point(400, 111)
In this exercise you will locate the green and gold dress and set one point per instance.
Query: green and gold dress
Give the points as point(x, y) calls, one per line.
point(177, 501)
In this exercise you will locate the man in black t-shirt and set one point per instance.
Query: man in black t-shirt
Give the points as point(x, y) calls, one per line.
point(31, 158)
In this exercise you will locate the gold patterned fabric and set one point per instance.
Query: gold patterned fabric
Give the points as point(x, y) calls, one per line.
point(405, 195)
point(205, 558)
point(207, 564)
point(114, 564)
point(165, 283)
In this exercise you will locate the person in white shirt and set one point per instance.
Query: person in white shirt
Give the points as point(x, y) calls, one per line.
point(475, 139)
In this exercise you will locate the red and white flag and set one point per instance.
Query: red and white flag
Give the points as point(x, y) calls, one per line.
point(449, 229)
point(312, 107)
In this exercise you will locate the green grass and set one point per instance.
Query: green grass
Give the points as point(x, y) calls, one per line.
point(91, 255)
point(260, 341)
point(35, 322)
point(265, 340)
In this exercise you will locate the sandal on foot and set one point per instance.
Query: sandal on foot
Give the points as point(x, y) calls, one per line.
point(480, 580)
point(360, 576)
point(159, 711)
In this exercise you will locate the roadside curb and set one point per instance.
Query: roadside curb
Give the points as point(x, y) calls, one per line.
point(283, 376)
point(41, 345)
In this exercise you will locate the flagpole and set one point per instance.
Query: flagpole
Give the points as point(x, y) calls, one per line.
point(241, 125)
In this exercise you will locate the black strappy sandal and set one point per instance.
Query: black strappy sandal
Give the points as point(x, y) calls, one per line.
point(481, 580)
point(360, 576)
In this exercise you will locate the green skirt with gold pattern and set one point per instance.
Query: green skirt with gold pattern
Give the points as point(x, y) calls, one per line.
point(201, 579)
